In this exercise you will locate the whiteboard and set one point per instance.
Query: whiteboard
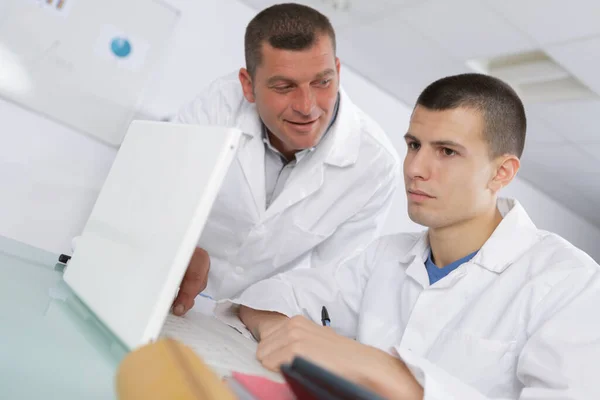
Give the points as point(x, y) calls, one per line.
point(83, 63)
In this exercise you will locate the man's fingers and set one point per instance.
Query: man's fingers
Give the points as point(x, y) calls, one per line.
point(194, 281)
point(183, 303)
point(282, 355)
point(275, 342)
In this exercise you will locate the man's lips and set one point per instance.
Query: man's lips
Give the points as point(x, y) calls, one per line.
point(420, 193)
point(303, 127)
point(302, 122)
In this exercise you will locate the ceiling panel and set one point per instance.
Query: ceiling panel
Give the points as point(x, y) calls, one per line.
point(575, 120)
point(474, 30)
point(358, 11)
point(396, 57)
point(581, 58)
point(551, 21)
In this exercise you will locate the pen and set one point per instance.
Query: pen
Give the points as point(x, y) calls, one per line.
point(325, 317)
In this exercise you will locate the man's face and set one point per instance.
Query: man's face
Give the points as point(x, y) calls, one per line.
point(448, 172)
point(295, 92)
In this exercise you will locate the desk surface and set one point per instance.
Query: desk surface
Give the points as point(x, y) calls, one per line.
point(51, 347)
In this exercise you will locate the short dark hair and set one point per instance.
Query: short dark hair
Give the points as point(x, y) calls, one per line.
point(286, 26)
point(502, 109)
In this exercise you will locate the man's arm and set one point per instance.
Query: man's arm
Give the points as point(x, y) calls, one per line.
point(339, 269)
point(305, 291)
point(364, 365)
point(261, 323)
point(559, 360)
point(562, 354)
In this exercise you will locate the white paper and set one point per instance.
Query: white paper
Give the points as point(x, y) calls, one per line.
point(204, 305)
point(221, 347)
point(227, 313)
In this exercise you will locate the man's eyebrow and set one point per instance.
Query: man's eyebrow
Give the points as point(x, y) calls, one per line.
point(325, 73)
point(447, 143)
point(443, 143)
point(279, 78)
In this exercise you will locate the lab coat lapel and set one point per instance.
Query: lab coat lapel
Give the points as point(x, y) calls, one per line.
point(414, 261)
point(251, 156)
point(306, 179)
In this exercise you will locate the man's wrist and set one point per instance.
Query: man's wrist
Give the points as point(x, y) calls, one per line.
point(260, 323)
point(391, 378)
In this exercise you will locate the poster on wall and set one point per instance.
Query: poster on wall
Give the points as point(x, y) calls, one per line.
point(83, 63)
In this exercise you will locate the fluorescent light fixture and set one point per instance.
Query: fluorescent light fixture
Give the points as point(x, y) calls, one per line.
point(535, 76)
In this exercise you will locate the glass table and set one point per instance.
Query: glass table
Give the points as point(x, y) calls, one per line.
point(51, 346)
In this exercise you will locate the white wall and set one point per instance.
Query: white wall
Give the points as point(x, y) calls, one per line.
point(553, 216)
point(50, 175)
point(208, 43)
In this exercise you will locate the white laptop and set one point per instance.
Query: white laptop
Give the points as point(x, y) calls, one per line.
point(136, 245)
point(143, 229)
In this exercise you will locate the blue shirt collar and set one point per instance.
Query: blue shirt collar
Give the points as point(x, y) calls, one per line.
point(435, 273)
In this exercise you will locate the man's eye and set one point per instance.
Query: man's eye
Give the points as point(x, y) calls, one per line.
point(449, 152)
point(414, 146)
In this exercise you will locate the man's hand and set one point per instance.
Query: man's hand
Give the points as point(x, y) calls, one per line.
point(194, 281)
point(356, 362)
point(261, 323)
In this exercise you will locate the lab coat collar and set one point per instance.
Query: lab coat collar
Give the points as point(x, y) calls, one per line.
point(250, 123)
point(414, 259)
point(251, 150)
point(513, 237)
point(345, 134)
point(515, 234)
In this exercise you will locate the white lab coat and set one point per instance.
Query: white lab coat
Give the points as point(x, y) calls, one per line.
point(519, 320)
point(333, 203)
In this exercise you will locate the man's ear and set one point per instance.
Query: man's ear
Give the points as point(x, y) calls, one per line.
point(247, 86)
point(506, 169)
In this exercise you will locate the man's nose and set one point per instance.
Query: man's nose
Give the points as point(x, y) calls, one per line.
point(418, 164)
point(304, 103)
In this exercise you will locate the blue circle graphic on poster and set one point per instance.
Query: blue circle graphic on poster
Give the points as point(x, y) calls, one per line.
point(120, 47)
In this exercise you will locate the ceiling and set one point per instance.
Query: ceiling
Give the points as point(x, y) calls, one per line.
point(403, 45)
